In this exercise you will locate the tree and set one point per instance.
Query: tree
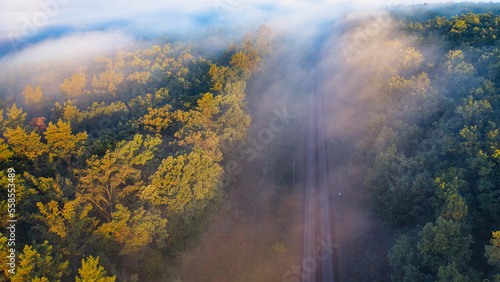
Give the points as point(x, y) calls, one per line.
point(493, 250)
point(459, 76)
point(4, 252)
point(24, 145)
point(74, 85)
point(133, 231)
point(185, 184)
point(39, 261)
point(405, 260)
point(68, 113)
point(107, 81)
point(112, 178)
point(450, 185)
point(443, 243)
point(201, 126)
point(451, 274)
point(91, 271)
point(61, 142)
point(15, 117)
point(39, 124)
point(233, 120)
point(393, 197)
point(142, 77)
point(5, 153)
point(157, 120)
point(33, 96)
point(72, 226)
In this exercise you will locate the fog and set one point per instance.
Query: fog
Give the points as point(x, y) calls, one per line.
point(42, 32)
point(29, 22)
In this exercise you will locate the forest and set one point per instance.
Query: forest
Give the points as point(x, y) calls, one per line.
point(124, 167)
point(432, 149)
point(111, 172)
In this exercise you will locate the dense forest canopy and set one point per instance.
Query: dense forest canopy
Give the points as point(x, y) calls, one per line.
point(120, 166)
point(121, 170)
point(432, 145)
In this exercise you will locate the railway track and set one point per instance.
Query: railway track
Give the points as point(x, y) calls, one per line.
point(318, 259)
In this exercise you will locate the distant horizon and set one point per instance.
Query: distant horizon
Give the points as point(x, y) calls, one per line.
point(28, 24)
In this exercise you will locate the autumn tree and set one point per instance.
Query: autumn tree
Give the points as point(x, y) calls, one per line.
point(131, 231)
point(71, 226)
point(24, 145)
point(107, 81)
point(68, 113)
point(157, 120)
point(111, 179)
point(5, 153)
point(33, 96)
point(39, 124)
point(201, 126)
point(74, 85)
point(39, 262)
point(61, 142)
point(4, 252)
point(92, 271)
point(15, 117)
point(185, 184)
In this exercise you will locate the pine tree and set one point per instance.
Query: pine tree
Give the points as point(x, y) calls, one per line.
point(91, 271)
point(185, 184)
point(72, 226)
point(39, 261)
point(74, 85)
point(24, 145)
point(61, 142)
point(33, 96)
point(15, 117)
point(5, 153)
point(132, 231)
point(111, 179)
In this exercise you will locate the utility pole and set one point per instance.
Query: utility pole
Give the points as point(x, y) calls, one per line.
point(300, 115)
point(236, 206)
point(340, 169)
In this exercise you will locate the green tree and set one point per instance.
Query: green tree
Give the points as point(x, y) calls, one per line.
point(443, 243)
point(450, 187)
point(451, 274)
point(493, 250)
point(405, 260)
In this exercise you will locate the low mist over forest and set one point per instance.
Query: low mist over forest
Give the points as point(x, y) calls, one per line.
point(260, 141)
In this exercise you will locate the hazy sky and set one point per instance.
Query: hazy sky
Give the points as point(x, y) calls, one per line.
point(48, 27)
